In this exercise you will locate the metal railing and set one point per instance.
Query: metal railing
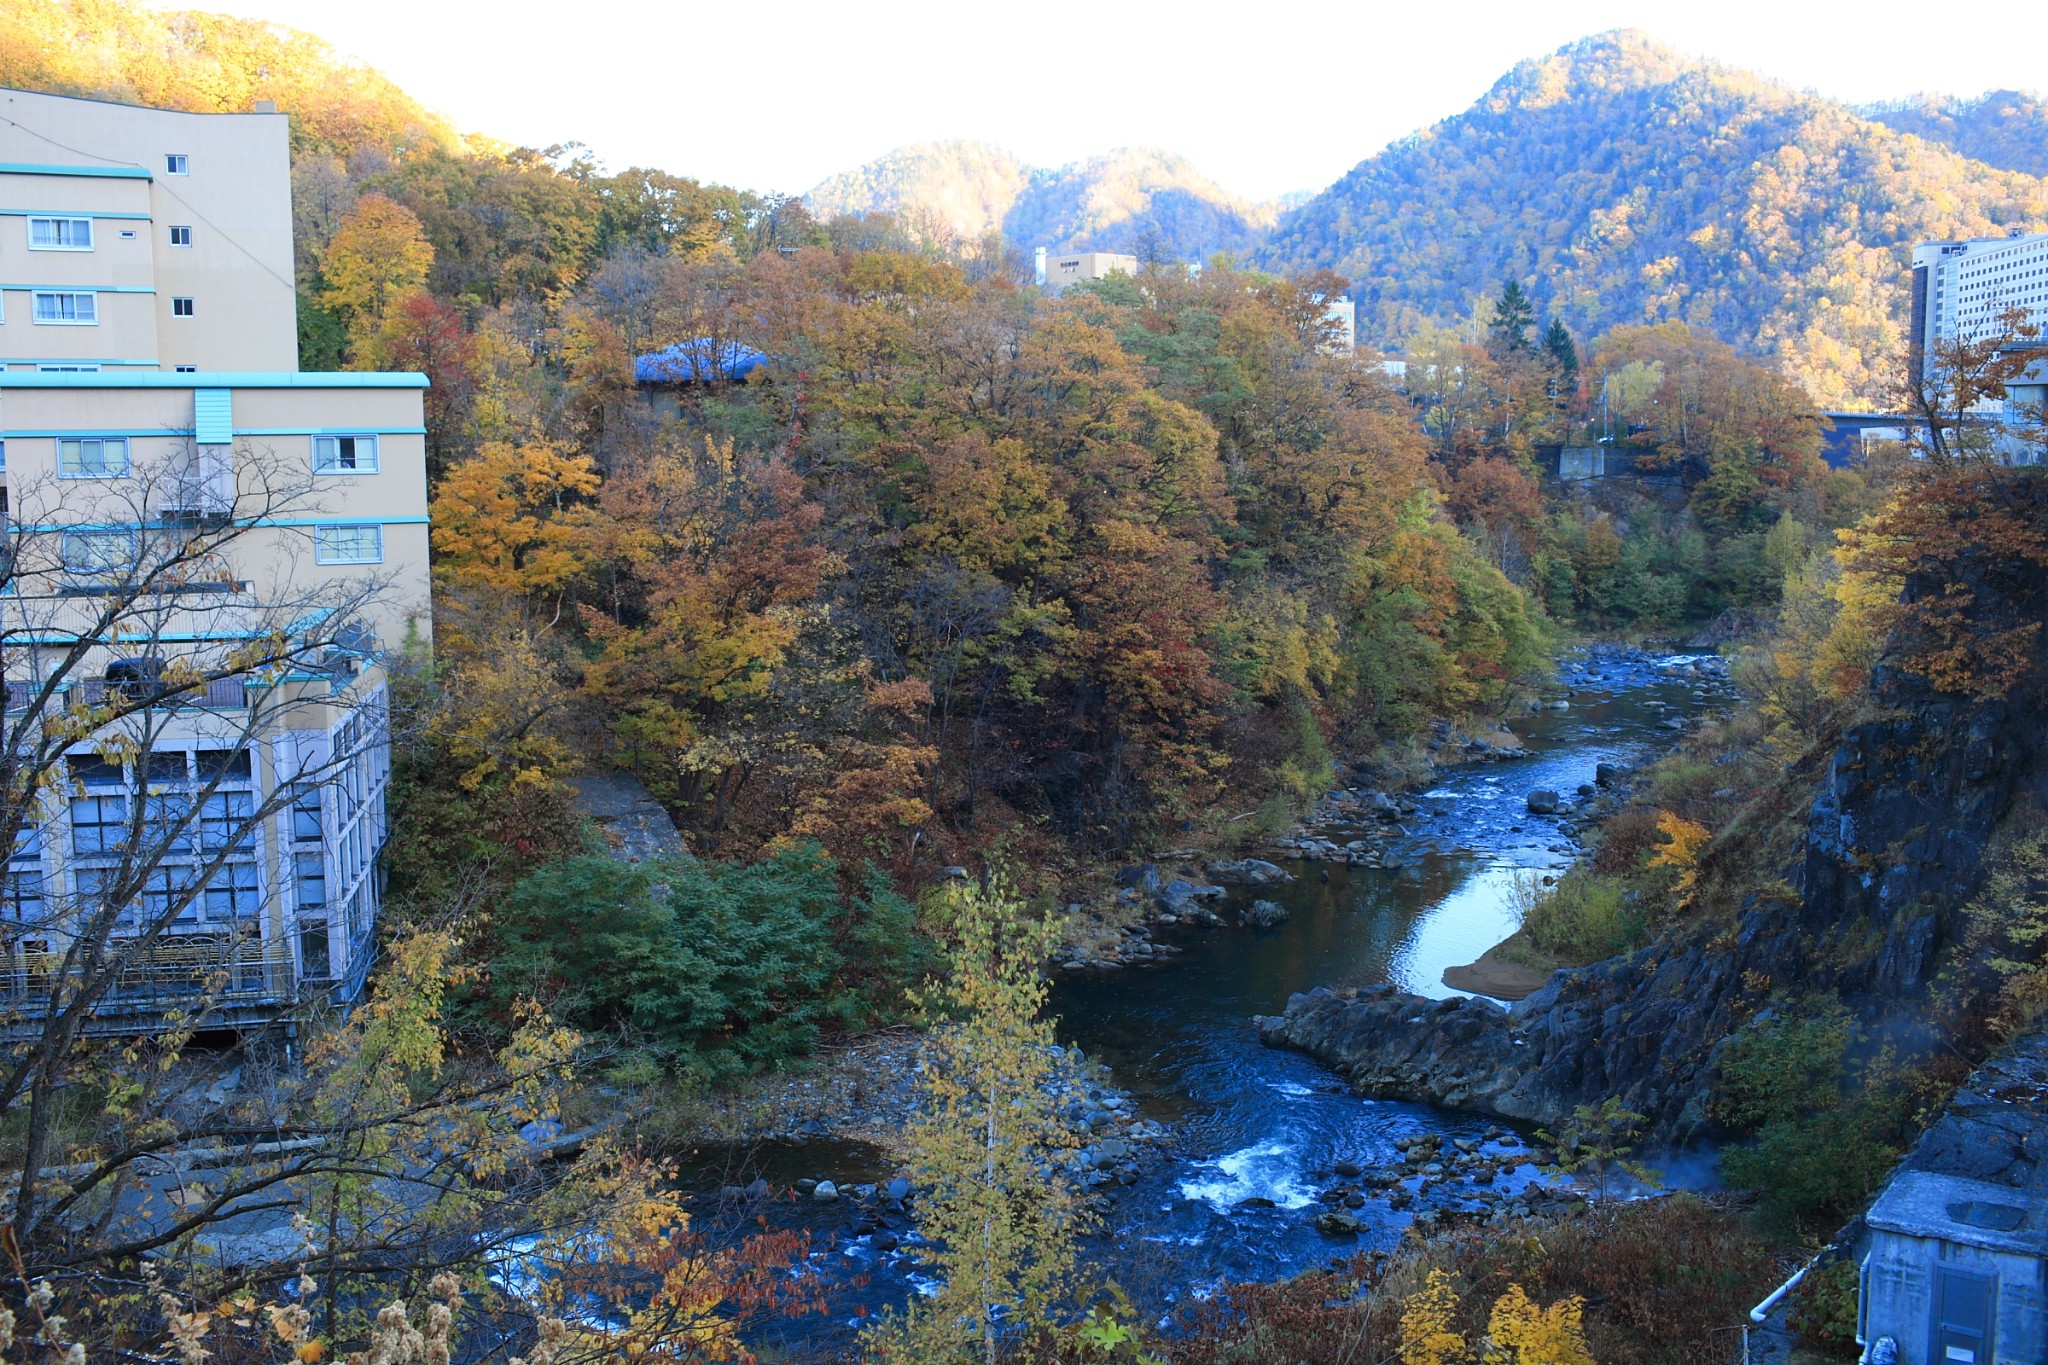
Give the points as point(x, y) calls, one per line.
point(221, 694)
point(223, 969)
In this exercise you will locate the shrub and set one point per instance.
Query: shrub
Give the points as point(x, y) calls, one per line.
point(1824, 1306)
point(1586, 917)
point(1827, 1131)
point(720, 967)
point(1661, 1279)
point(1627, 841)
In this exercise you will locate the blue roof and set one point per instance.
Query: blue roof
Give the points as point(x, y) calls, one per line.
point(703, 360)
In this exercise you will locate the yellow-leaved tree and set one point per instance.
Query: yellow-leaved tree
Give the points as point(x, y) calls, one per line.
point(378, 254)
point(996, 1209)
point(1429, 1335)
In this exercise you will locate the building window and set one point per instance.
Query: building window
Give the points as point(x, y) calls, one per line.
point(60, 234)
point(312, 882)
point(68, 369)
point(99, 825)
point(187, 369)
point(224, 821)
point(177, 163)
point(181, 308)
point(316, 955)
point(344, 454)
point(99, 552)
point(92, 457)
point(306, 817)
point(232, 895)
point(181, 236)
point(348, 544)
point(67, 308)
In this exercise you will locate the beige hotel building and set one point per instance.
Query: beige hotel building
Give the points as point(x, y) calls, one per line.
point(209, 558)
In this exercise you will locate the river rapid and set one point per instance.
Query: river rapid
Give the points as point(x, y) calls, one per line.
point(1259, 1133)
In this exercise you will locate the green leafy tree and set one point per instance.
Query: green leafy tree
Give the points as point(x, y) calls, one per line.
point(987, 1146)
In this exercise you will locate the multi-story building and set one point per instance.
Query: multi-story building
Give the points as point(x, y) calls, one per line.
point(209, 556)
point(1962, 289)
point(1965, 290)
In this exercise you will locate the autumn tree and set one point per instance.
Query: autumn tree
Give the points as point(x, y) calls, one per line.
point(995, 1202)
point(377, 254)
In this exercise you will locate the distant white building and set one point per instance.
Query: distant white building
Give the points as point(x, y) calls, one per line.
point(1055, 273)
point(1962, 290)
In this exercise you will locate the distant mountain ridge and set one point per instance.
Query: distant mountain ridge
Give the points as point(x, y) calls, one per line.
point(2005, 128)
point(1138, 199)
point(1623, 182)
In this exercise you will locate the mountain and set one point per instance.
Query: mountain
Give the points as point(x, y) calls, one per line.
point(211, 63)
point(2007, 128)
point(1132, 199)
point(1622, 182)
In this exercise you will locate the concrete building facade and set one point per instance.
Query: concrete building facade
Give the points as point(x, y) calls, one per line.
point(1954, 1261)
point(209, 559)
point(144, 239)
point(1057, 271)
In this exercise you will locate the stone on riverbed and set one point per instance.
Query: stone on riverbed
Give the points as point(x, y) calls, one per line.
point(1542, 801)
point(1262, 915)
point(1249, 872)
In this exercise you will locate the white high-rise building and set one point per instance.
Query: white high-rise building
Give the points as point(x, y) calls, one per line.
point(1963, 289)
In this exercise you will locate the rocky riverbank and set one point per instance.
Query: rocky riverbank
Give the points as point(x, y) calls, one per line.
point(1842, 880)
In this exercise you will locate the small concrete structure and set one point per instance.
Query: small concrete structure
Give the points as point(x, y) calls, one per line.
point(637, 826)
point(1956, 1268)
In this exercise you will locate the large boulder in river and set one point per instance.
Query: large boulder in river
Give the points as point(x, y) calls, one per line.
point(1543, 801)
point(1249, 872)
point(1183, 897)
point(1262, 915)
point(1144, 877)
point(1606, 774)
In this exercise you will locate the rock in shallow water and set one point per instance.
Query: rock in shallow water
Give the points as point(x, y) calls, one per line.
point(1262, 915)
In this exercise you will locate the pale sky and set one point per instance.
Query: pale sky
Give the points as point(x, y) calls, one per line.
point(1265, 98)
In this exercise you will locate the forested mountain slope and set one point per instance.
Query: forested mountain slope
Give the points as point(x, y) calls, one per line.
point(211, 63)
point(1624, 183)
point(1132, 199)
point(2006, 128)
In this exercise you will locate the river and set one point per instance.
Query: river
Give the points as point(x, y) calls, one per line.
point(1256, 1124)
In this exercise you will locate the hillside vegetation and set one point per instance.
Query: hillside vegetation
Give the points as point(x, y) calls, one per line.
point(1137, 199)
point(1624, 184)
point(2005, 128)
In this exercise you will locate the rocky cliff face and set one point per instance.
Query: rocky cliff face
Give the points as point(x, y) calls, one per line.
point(1895, 842)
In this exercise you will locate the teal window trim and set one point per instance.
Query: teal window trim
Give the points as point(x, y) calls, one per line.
point(264, 523)
point(72, 434)
point(74, 213)
point(217, 379)
point(90, 172)
point(186, 433)
point(327, 431)
point(79, 288)
point(71, 360)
